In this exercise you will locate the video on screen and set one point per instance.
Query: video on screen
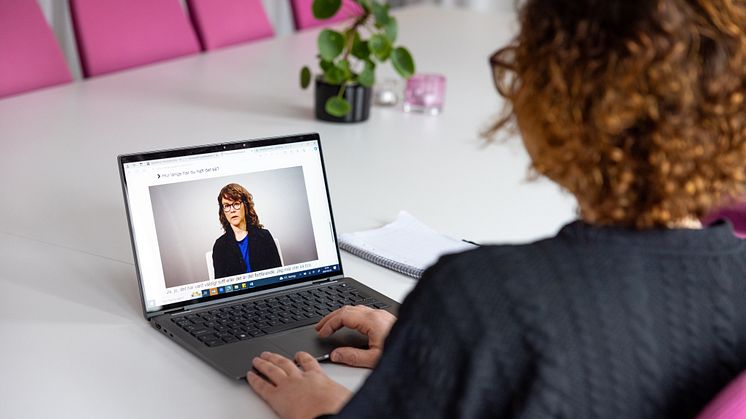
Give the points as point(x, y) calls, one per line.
point(232, 225)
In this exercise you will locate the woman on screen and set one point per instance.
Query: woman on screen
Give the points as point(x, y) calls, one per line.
point(246, 246)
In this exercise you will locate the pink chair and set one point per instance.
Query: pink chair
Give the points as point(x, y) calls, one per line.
point(221, 23)
point(303, 16)
point(730, 403)
point(735, 213)
point(30, 57)
point(116, 34)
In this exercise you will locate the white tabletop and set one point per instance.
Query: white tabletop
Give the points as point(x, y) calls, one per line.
point(74, 342)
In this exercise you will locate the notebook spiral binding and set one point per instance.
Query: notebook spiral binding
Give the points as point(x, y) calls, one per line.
point(402, 268)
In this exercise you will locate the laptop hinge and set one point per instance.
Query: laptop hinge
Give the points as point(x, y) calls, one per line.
point(321, 281)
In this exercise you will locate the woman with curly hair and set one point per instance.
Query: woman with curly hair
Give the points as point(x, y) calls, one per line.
point(246, 246)
point(636, 310)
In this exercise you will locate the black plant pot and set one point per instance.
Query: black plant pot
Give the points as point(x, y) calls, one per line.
point(357, 96)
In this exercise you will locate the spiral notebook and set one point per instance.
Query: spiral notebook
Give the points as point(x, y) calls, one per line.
point(406, 245)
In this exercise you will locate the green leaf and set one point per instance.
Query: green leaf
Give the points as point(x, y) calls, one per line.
point(370, 64)
point(380, 47)
point(325, 65)
point(344, 66)
point(403, 62)
point(359, 48)
point(305, 77)
point(334, 75)
point(367, 77)
point(331, 44)
point(381, 13)
point(391, 29)
point(336, 106)
point(324, 9)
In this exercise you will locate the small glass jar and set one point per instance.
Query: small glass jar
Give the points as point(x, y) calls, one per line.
point(425, 93)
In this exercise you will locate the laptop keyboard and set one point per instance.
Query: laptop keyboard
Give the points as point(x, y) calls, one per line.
point(247, 320)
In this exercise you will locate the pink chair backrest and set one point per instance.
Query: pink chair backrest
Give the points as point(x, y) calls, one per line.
point(30, 57)
point(304, 19)
point(116, 34)
point(735, 213)
point(221, 23)
point(730, 403)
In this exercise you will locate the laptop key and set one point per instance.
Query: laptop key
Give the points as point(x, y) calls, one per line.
point(229, 339)
point(202, 331)
point(207, 337)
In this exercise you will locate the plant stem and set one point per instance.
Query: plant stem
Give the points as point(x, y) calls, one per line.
point(342, 90)
point(360, 21)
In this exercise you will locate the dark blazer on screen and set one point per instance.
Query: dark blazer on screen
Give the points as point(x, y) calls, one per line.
point(228, 261)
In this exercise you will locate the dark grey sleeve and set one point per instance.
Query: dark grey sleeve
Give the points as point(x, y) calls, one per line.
point(433, 365)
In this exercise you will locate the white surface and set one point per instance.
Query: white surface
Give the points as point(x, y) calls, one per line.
point(75, 343)
point(406, 241)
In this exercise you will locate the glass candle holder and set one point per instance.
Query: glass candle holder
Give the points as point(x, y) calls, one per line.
point(387, 92)
point(425, 93)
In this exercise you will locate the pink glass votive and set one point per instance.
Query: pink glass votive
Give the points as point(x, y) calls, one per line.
point(425, 93)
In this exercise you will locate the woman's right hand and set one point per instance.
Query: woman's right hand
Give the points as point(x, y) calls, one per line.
point(375, 324)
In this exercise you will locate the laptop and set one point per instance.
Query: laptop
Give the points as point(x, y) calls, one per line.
point(235, 249)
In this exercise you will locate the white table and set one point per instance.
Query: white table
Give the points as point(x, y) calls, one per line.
point(74, 342)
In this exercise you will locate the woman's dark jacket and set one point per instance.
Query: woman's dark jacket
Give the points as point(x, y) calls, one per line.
point(228, 261)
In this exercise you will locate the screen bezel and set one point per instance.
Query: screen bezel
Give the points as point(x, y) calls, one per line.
point(214, 148)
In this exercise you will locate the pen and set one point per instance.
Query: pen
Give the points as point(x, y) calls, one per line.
point(323, 358)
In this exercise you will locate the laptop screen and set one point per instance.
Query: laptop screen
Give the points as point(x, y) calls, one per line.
point(218, 221)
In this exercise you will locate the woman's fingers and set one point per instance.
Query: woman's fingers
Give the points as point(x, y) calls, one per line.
point(263, 388)
point(326, 318)
point(286, 365)
point(307, 362)
point(348, 316)
point(365, 358)
point(274, 373)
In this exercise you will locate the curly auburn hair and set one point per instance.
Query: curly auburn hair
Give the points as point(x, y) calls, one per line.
point(235, 192)
point(636, 107)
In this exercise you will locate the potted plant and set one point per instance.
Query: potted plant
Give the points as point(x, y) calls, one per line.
point(348, 60)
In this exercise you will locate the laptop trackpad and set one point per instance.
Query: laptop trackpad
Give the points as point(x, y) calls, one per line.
point(307, 340)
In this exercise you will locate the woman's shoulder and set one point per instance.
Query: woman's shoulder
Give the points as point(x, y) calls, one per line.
point(259, 232)
point(222, 241)
point(503, 269)
point(504, 258)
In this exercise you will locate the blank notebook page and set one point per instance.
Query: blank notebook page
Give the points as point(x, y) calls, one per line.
point(407, 242)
